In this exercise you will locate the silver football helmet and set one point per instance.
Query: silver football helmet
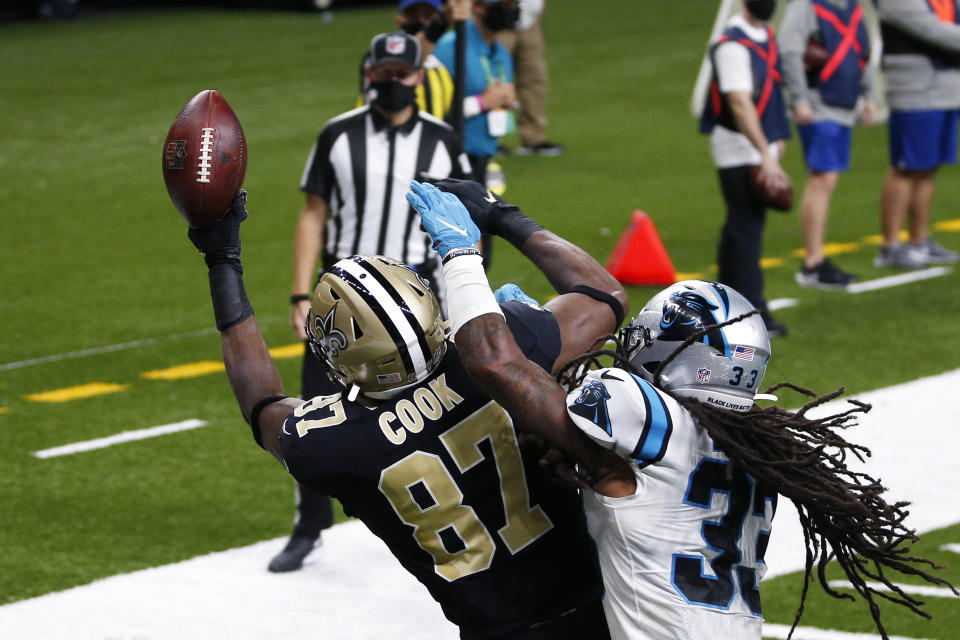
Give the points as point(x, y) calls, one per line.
point(375, 324)
point(724, 367)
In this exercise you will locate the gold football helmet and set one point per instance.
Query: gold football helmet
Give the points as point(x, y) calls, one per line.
point(375, 324)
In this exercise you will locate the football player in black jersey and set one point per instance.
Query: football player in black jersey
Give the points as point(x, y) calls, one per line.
point(417, 451)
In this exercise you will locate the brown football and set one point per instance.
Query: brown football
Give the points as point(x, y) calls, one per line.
point(816, 56)
point(204, 159)
point(778, 197)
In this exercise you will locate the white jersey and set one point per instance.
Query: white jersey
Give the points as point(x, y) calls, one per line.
point(682, 558)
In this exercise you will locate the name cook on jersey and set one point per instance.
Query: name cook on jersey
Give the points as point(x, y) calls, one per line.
point(428, 404)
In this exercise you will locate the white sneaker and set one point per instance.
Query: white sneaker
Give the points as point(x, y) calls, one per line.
point(936, 254)
point(902, 256)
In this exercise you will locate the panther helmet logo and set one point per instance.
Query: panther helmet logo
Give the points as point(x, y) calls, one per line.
point(686, 312)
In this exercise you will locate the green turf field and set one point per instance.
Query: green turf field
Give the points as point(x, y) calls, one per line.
point(94, 255)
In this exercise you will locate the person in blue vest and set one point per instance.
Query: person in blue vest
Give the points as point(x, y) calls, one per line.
point(824, 98)
point(921, 68)
point(746, 118)
point(490, 96)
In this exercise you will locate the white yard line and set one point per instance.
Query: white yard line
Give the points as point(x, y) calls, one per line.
point(897, 280)
point(357, 590)
point(57, 357)
point(782, 303)
point(955, 548)
point(107, 349)
point(912, 589)
point(123, 436)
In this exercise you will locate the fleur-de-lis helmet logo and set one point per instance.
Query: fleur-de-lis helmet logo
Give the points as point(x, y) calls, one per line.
point(331, 340)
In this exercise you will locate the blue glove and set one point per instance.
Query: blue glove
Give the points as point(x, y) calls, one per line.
point(444, 217)
point(511, 291)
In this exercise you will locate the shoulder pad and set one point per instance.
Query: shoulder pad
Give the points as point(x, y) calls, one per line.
point(623, 412)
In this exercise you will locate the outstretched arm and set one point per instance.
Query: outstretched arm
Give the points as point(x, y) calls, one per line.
point(591, 303)
point(583, 317)
point(490, 355)
point(252, 375)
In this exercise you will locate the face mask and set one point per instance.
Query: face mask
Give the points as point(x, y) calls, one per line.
point(436, 27)
point(432, 29)
point(501, 16)
point(762, 9)
point(413, 28)
point(392, 95)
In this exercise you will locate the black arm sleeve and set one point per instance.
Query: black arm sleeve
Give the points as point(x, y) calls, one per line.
point(536, 331)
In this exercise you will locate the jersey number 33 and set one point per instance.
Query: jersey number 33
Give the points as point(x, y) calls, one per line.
point(739, 539)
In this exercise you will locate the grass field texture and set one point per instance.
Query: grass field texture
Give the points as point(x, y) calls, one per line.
point(94, 255)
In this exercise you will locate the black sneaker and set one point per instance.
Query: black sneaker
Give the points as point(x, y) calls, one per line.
point(299, 548)
point(774, 328)
point(825, 275)
point(545, 148)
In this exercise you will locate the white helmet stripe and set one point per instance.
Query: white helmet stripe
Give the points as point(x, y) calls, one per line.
point(394, 314)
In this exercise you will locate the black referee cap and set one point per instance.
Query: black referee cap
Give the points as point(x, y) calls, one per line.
point(395, 47)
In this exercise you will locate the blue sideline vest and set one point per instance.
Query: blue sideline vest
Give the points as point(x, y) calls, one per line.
point(845, 37)
point(767, 92)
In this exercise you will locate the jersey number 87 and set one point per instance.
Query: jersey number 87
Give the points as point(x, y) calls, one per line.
point(449, 530)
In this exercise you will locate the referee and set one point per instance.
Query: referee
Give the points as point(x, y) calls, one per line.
point(355, 181)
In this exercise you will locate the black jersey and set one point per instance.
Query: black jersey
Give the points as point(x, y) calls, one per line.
point(436, 472)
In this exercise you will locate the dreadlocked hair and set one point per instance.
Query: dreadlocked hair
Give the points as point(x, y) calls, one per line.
point(842, 511)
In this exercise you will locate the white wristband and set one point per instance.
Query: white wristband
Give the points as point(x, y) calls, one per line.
point(471, 107)
point(468, 292)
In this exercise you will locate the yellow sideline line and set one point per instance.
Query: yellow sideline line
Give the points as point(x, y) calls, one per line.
point(829, 249)
point(947, 225)
point(207, 367)
point(288, 351)
point(178, 372)
point(79, 392)
point(182, 371)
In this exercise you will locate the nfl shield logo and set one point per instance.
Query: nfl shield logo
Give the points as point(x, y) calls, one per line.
point(396, 45)
point(174, 153)
point(703, 375)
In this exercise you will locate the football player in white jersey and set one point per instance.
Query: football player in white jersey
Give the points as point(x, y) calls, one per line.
point(682, 554)
point(681, 471)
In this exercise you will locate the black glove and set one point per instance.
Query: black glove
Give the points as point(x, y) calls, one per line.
point(220, 243)
point(490, 213)
point(479, 201)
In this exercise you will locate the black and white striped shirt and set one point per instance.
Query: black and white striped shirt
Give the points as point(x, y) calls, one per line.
point(363, 169)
